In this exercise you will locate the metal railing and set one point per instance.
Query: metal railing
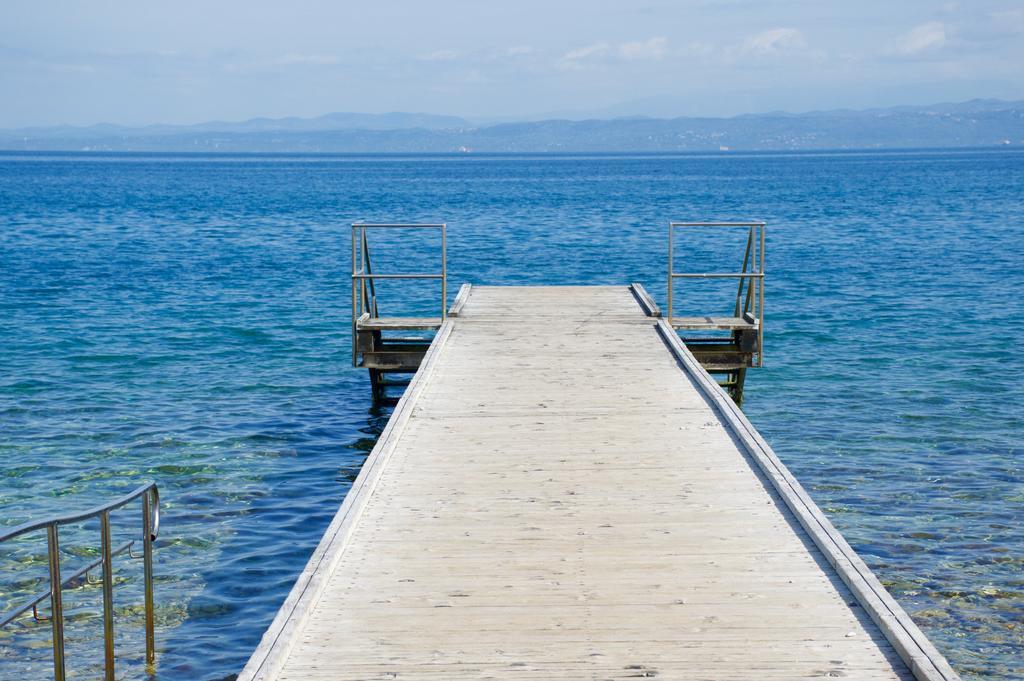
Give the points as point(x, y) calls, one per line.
point(150, 528)
point(364, 291)
point(750, 290)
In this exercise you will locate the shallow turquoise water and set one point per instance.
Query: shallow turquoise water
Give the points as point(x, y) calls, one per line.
point(185, 319)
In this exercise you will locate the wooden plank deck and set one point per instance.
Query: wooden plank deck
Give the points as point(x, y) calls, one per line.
point(564, 493)
point(399, 323)
point(713, 323)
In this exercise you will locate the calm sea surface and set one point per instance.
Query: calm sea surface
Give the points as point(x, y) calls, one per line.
point(185, 319)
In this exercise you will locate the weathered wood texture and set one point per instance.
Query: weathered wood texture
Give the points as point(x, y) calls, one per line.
point(645, 299)
point(398, 323)
point(558, 495)
point(460, 300)
point(713, 323)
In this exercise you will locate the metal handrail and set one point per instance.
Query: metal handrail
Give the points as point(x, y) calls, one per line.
point(751, 276)
point(364, 293)
point(150, 495)
point(717, 275)
point(369, 298)
point(411, 275)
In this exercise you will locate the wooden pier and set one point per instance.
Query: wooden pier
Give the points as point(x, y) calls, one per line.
point(563, 492)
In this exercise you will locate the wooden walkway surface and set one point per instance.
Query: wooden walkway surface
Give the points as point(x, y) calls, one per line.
point(563, 493)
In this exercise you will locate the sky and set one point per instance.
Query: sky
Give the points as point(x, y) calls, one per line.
point(139, 62)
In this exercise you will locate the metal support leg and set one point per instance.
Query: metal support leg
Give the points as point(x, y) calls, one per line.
point(147, 566)
point(108, 597)
point(56, 604)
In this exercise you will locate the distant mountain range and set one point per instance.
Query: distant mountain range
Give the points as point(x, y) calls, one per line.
point(968, 124)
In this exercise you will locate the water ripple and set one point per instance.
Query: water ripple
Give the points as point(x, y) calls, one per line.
point(185, 319)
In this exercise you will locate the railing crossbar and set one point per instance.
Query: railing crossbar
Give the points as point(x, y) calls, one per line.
point(395, 225)
point(717, 224)
point(79, 517)
point(69, 582)
point(717, 275)
point(412, 275)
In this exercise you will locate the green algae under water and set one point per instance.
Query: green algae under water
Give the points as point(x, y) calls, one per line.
point(185, 318)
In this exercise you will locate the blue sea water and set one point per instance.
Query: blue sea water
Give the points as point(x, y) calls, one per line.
point(185, 319)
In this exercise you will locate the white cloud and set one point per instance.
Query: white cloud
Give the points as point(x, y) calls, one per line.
point(923, 38)
point(652, 48)
point(647, 49)
point(439, 55)
point(595, 50)
point(775, 40)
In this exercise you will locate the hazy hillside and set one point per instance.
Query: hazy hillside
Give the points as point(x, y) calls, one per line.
point(975, 123)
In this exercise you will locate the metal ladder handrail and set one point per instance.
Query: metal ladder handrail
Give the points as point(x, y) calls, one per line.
point(751, 277)
point(150, 495)
point(745, 282)
point(369, 296)
point(364, 292)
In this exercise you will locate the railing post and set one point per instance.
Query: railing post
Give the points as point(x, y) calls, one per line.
point(56, 605)
point(147, 566)
point(355, 293)
point(108, 597)
point(444, 271)
point(670, 265)
point(760, 304)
